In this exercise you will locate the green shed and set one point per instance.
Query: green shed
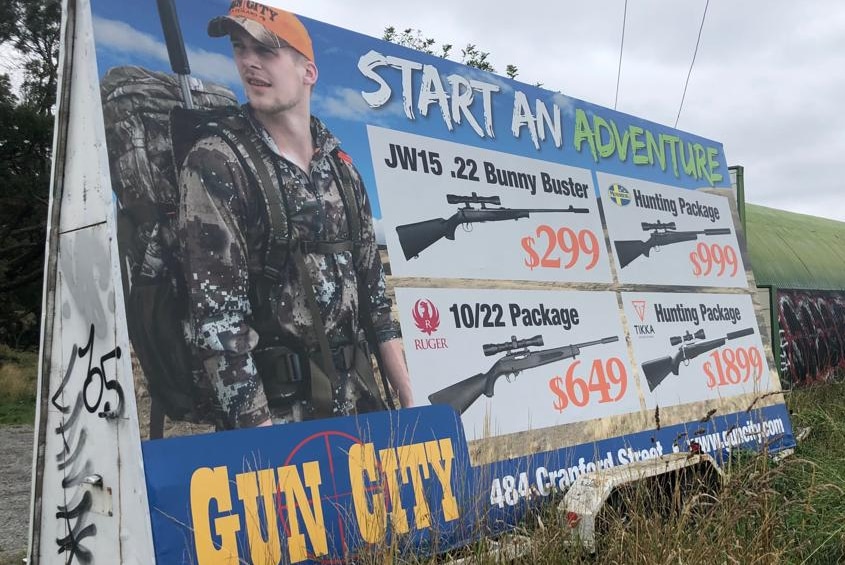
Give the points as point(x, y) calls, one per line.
point(799, 265)
point(795, 251)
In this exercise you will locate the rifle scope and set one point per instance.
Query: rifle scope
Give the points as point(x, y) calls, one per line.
point(474, 199)
point(494, 348)
point(676, 340)
point(658, 226)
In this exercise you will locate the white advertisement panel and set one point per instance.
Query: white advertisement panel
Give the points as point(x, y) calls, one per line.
point(529, 219)
point(661, 235)
point(562, 354)
point(693, 347)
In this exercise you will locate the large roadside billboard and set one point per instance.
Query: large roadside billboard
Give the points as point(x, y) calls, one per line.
point(571, 284)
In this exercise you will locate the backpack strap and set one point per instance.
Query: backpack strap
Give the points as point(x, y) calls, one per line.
point(233, 128)
point(343, 177)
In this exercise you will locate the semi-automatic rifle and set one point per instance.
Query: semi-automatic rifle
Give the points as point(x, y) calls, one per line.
point(517, 358)
point(661, 234)
point(658, 369)
point(417, 237)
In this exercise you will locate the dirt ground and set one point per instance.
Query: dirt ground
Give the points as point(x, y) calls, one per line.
point(15, 472)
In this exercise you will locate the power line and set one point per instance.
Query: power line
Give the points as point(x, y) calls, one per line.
point(621, 46)
point(697, 41)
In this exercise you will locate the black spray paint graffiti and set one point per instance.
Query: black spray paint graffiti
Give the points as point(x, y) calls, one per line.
point(812, 335)
point(98, 391)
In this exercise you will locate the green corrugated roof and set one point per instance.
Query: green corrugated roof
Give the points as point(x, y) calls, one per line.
point(791, 250)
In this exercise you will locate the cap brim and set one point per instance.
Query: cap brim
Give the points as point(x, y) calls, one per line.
point(223, 25)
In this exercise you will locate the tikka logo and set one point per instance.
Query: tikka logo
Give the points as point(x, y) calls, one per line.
point(620, 195)
point(426, 316)
point(644, 330)
point(639, 308)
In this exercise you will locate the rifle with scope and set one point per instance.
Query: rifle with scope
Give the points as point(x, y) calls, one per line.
point(657, 370)
point(517, 358)
point(419, 236)
point(661, 234)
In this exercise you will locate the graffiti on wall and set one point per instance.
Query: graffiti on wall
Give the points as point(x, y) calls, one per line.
point(98, 395)
point(812, 327)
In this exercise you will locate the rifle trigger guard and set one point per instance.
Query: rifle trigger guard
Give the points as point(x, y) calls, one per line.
point(467, 227)
point(686, 362)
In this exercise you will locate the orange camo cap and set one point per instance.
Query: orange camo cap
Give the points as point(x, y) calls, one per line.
point(272, 27)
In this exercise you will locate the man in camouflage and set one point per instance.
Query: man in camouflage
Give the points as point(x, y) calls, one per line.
point(224, 230)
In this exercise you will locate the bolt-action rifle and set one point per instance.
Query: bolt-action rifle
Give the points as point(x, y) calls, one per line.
point(517, 358)
point(658, 369)
point(417, 237)
point(661, 234)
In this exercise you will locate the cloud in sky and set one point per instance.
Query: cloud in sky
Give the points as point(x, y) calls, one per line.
point(348, 104)
point(120, 37)
point(566, 104)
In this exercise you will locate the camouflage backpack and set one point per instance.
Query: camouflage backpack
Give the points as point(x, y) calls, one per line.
point(136, 109)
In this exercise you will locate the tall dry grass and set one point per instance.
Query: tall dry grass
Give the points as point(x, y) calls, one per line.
point(764, 513)
point(18, 378)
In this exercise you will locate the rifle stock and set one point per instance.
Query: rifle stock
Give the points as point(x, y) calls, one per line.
point(462, 394)
point(627, 251)
point(658, 369)
point(417, 237)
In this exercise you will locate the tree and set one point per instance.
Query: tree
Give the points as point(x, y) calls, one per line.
point(32, 29)
point(470, 55)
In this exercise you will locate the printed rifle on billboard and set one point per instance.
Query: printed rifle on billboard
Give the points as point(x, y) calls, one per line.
point(657, 370)
point(517, 358)
point(419, 236)
point(661, 234)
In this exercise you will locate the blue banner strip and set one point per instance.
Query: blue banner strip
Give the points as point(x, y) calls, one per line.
point(324, 490)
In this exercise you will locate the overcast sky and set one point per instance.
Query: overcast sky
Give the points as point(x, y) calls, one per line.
point(767, 80)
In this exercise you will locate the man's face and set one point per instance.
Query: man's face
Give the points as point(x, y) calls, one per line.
point(275, 80)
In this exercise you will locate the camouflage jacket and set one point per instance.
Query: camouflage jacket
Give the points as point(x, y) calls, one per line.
point(223, 233)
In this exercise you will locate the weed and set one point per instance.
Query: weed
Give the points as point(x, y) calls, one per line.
point(18, 378)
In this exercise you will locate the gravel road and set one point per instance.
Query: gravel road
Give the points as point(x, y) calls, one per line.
point(15, 472)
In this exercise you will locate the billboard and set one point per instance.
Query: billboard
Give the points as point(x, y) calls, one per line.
point(330, 199)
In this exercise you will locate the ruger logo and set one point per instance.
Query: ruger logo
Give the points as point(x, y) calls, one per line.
point(639, 308)
point(426, 317)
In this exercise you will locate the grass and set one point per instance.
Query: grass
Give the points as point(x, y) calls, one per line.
point(14, 559)
point(792, 512)
point(18, 377)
